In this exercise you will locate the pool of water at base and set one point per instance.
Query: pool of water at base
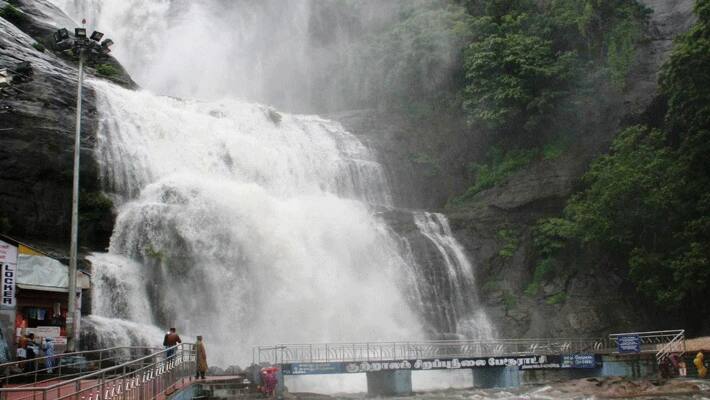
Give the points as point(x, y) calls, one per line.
point(544, 392)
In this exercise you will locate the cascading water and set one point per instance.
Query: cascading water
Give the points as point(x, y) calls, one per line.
point(251, 226)
point(242, 224)
point(459, 289)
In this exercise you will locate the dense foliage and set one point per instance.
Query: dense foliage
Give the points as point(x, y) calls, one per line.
point(647, 202)
point(527, 56)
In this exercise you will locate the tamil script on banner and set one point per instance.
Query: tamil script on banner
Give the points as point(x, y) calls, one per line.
point(568, 361)
point(579, 361)
point(629, 344)
point(315, 368)
point(8, 263)
point(522, 362)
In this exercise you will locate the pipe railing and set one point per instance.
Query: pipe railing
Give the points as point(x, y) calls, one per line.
point(144, 378)
point(654, 341)
point(676, 345)
point(382, 351)
point(659, 342)
point(35, 371)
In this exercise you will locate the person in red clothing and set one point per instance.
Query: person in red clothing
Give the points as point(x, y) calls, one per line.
point(170, 341)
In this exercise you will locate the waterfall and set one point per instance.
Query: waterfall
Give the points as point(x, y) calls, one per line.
point(249, 226)
point(243, 224)
point(456, 286)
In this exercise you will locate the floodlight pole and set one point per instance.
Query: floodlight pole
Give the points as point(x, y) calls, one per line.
point(71, 307)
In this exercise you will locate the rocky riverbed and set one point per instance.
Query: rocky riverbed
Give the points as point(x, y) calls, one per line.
point(580, 389)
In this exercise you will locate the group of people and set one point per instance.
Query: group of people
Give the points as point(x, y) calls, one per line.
point(269, 381)
point(28, 349)
point(268, 376)
point(674, 365)
point(172, 339)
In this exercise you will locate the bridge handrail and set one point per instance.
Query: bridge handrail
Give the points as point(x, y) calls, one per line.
point(660, 342)
point(59, 365)
point(669, 347)
point(391, 350)
point(444, 341)
point(144, 378)
point(648, 333)
point(93, 374)
point(369, 351)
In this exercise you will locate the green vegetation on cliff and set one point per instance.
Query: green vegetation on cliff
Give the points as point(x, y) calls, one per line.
point(647, 202)
point(530, 67)
point(527, 56)
point(13, 15)
point(504, 64)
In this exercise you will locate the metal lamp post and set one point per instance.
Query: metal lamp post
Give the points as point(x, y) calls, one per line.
point(81, 44)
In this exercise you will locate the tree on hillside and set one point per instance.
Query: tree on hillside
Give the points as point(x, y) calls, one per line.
point(647, 202)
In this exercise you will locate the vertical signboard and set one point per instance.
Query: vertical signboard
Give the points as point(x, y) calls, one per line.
point(8, 262)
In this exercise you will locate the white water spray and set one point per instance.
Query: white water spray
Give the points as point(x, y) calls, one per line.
point(250, 226)
point(240, 223)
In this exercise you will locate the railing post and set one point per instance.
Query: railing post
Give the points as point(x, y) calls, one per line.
point(102, 386)
point(155, 387)
point(124, 386)
point(35, 363)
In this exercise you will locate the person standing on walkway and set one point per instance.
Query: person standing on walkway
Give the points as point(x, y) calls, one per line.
point(170, 341)
point(201, 358)
point(49, 353)
point(32, 351)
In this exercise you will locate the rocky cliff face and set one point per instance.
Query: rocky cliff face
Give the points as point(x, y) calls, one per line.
point(37, 124)
point(588, 299)
point(496, 228)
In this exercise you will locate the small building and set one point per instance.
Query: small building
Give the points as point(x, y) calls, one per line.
point(35, 294)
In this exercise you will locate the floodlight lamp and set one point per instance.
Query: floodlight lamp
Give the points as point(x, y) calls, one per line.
point(107, 43)
point(61, 34)
point(80, 33)
point(96, 36)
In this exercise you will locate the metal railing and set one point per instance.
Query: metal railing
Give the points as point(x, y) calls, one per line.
point(384, 351)
point(38, 370)
point(659, 342)
point(144, 378)
point(662, 343)
point(676, 345)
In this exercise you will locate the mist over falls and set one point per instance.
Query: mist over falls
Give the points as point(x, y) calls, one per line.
point(247, 225)
point(306, 56)
point(239, 228)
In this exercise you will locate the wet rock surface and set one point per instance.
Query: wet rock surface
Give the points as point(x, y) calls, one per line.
point(592, 297)
point(580, 389)
point(37, 125)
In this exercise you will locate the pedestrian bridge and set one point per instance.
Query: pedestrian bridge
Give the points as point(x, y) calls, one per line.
point(144, 373)
point(389, 365)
